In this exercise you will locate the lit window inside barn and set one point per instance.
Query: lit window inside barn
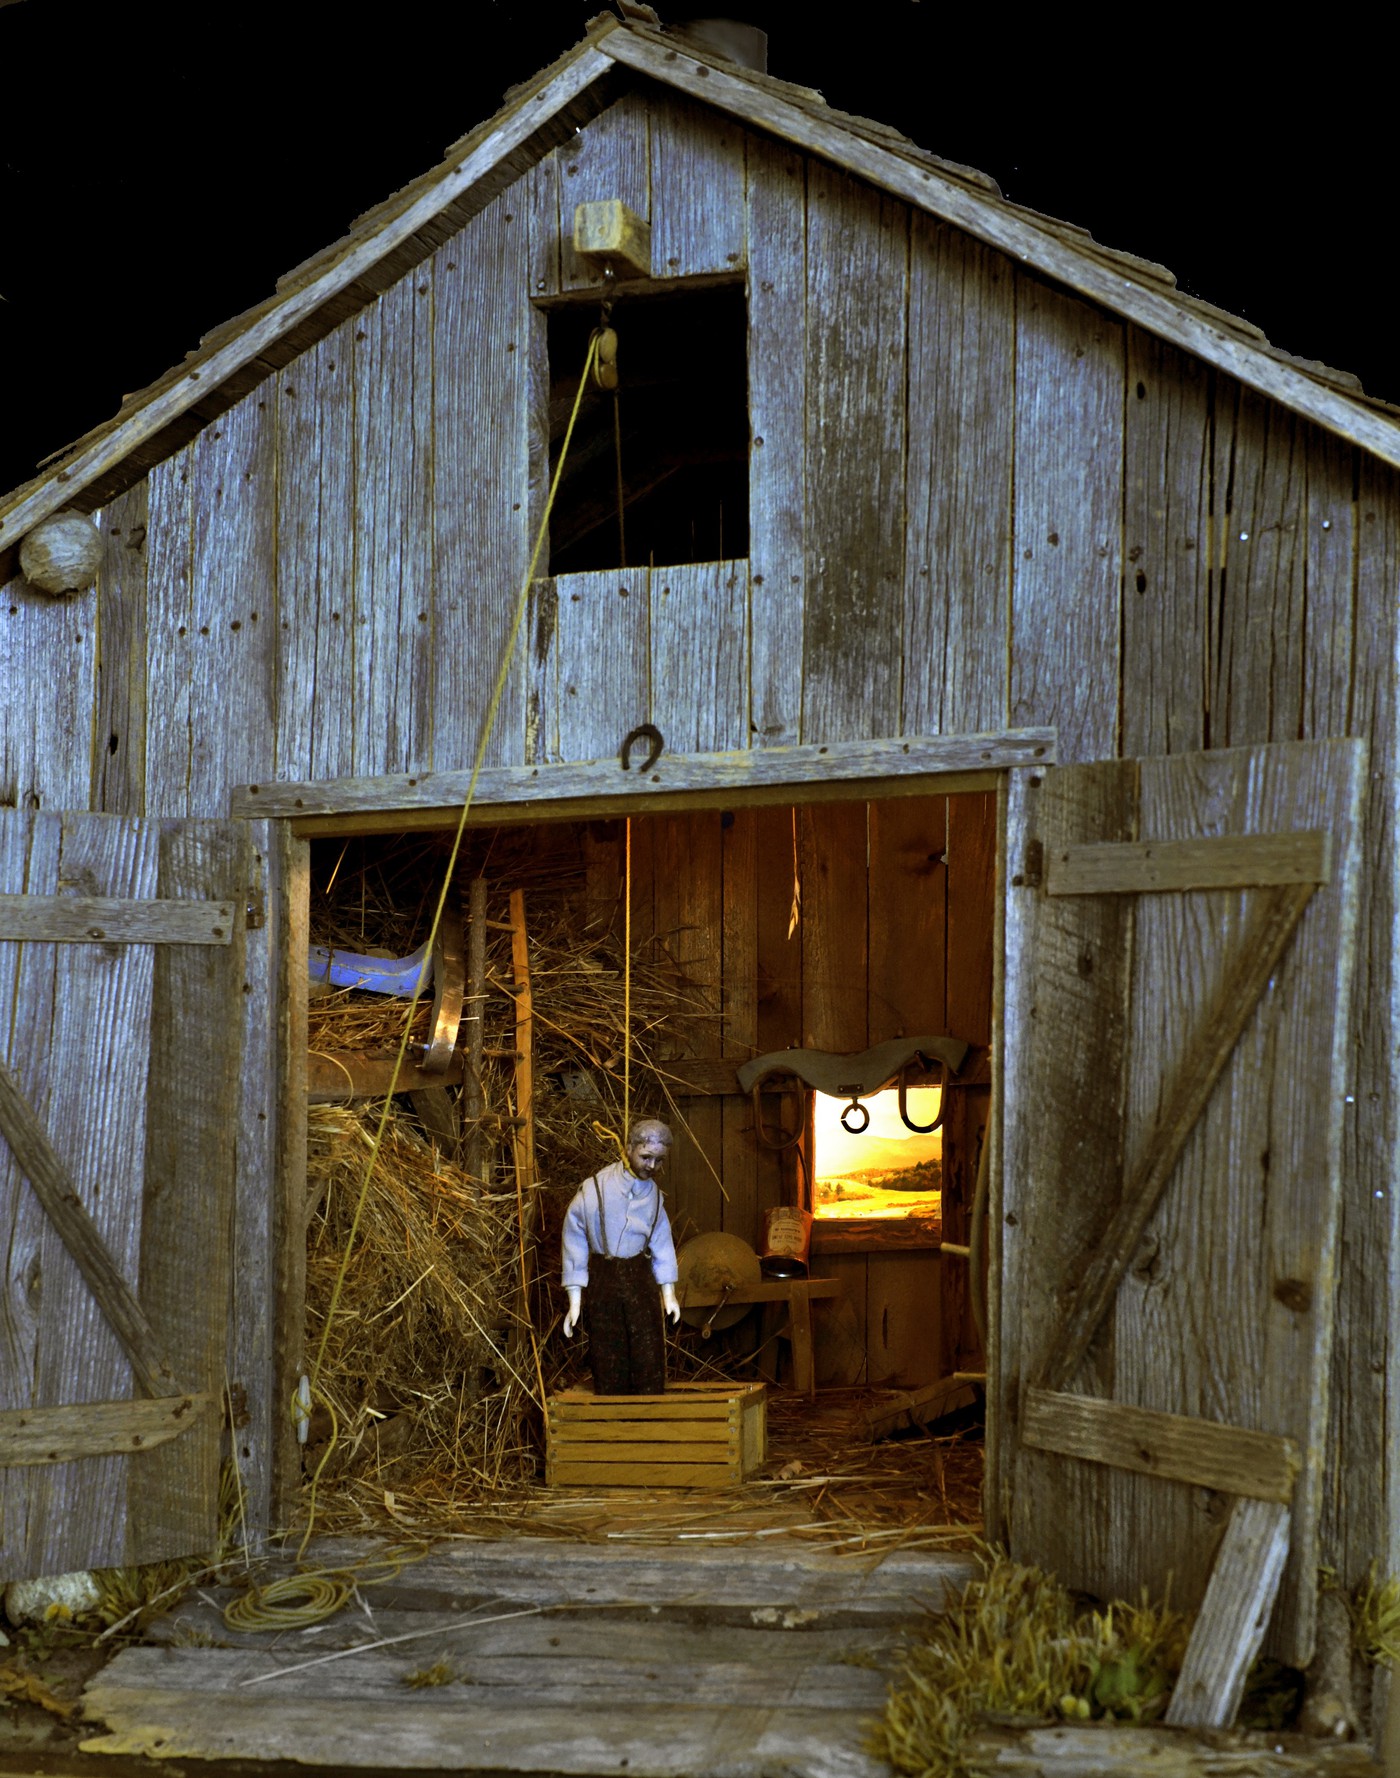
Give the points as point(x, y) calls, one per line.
point(885, 1172)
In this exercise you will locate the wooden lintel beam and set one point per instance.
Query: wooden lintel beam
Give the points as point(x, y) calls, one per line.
point(1224, 861)
point(1231, 1459)
point(96, 1428)
point(665, 802)
point(601, 786)
point(100, 919)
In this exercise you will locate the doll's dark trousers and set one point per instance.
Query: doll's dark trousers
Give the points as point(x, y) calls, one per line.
point(626, 1330)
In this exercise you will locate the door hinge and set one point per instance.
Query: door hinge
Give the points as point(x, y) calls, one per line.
point(256, 907)
point(1032, 872)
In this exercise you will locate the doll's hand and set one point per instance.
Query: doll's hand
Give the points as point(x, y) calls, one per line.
point(575, 1296)
point(669, 1303)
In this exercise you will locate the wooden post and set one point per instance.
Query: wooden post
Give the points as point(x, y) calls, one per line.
point(475, 1025)
point(523, 1123)
point(524, 1039)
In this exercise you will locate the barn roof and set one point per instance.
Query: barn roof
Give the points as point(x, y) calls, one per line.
point(387, 241)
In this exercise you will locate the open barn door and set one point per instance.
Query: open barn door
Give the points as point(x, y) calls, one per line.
point(1177, 974)
point(121, 973)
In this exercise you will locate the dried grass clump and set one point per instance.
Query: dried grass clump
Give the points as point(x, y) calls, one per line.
point(1017, 1647)
point(423, 1361)
point(1375, 1620)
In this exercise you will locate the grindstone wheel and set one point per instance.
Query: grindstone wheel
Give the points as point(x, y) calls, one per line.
point(709, 1263)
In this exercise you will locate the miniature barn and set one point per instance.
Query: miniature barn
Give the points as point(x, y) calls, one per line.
point(1021, 636)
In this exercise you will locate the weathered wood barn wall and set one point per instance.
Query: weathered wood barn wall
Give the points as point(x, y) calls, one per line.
point(977, 500)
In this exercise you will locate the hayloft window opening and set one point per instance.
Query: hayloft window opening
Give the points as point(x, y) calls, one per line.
point(671, 440)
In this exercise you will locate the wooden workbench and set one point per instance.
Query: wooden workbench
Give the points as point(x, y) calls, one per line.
point(798, 1294)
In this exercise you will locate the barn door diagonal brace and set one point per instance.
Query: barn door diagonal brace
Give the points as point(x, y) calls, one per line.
point(1274, 920)
point(39, 1161)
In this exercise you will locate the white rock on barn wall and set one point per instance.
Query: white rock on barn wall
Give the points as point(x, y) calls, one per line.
point(61, 556)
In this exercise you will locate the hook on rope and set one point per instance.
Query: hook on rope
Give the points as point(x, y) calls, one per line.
point(864, 1124)
point(648, 732)
point(943, 1072)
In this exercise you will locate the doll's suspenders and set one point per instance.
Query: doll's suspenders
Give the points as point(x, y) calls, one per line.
point(603, 1220)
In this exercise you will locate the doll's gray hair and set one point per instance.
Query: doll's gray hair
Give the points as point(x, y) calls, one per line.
point(649, 1126)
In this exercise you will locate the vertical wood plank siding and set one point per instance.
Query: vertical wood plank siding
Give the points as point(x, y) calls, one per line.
point(699, 656)
point(47, 656)
point(1361, 1502)
point(60, 1011)
point(186, 1214)
point(233, 587)
point(1260, 488)
point(393, 645)
point(481, 345)
point(169, 620)
point(962, 368)
point(608, 159)
point(315, 398)
point(973, 500)
point(697, 192)
point(1069, 520)
point(857, 324)
point(1166, 549)
point(777, 228)
point(258, 1410)
point(119, 727)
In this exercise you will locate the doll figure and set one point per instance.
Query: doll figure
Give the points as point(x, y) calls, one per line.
point(617, 1246)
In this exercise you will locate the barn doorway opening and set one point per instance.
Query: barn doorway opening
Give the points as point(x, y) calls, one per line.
point(658, 469)
point(828, 926)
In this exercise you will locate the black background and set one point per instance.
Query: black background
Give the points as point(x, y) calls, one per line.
point(162, 163)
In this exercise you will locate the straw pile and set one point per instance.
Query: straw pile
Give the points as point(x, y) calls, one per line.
point(431, 1370)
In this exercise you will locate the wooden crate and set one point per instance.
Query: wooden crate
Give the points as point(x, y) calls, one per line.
point(696, 1435)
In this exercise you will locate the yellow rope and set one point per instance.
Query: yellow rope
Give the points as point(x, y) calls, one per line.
point(323, 1595)
point(487, 727)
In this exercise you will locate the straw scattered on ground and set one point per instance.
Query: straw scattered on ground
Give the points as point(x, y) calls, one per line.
point(1017, 1648)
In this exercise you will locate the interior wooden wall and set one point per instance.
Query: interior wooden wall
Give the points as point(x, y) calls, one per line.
point(894, 938)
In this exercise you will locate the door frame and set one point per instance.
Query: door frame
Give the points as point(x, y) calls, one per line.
point(291, 815)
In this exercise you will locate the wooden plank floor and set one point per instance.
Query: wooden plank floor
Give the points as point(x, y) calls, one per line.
point(550, 1658)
